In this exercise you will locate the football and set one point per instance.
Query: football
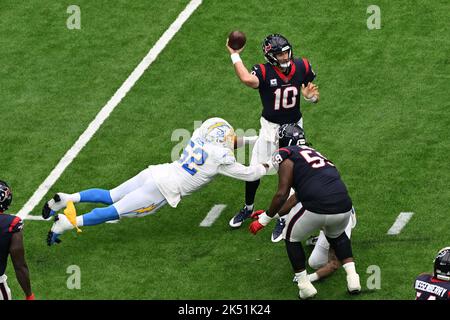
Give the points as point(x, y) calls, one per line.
point(236, 40)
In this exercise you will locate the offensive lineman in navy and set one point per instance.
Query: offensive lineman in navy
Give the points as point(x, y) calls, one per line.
point(322, 202)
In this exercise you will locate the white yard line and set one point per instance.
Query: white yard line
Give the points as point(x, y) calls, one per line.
point(212, 215)
point(108, 108)
point(37, 218)
point(400, 222)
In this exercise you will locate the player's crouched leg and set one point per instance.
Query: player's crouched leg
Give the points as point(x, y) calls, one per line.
point(343, 249)
point(297, 258)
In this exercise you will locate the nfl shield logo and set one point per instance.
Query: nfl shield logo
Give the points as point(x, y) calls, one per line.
point(273, 82)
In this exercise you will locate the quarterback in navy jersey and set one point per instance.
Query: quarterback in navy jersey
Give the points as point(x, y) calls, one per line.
point(280, 92)
point(435, 286)
point(279, 81)
point(11, 244)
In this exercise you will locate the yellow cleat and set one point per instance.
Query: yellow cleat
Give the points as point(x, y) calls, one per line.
point(71, 213)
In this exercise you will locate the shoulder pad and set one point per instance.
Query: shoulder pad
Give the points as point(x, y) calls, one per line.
point(16, 225)
point(279, 156)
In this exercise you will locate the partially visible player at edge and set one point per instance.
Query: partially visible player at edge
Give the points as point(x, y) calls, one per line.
point(11, 244)
point(208, 153)
point(280, 82)
point(435, 286)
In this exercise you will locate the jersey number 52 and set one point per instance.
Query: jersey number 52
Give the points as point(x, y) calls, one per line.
point(193, 156)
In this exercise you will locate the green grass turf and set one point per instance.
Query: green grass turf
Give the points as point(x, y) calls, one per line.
point(383, 119)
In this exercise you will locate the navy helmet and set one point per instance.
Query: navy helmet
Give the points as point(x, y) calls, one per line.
point(291, 134)
point(442, 264)
point(274, 44)
point(5, 196)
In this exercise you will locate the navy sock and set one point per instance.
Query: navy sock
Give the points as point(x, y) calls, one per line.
point(250, 191)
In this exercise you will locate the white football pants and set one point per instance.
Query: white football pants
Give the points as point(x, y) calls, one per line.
point(300, 223)
point(138, 196)
point(267, 142)
point(320, 255)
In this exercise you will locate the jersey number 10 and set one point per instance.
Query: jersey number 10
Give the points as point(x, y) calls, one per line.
point(282, 96)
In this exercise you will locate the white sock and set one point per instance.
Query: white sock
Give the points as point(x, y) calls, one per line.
point(301, 276)
point(249, 207)
point(349, 268)
point(276, 216)
point(79, 221)
point(75, 197)
point(313, 277)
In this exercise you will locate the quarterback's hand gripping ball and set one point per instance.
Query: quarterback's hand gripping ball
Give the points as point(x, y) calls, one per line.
point(236, 40)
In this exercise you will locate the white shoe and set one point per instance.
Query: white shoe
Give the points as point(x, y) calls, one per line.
point(61, 225)
point(353, 284)
point(306, 290)
point(59, 201)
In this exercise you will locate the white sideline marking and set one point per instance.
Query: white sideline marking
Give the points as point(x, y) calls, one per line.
point(212, 215)
point(34, 217)
point(37, 218)
point(108, 108)
point(400, 222)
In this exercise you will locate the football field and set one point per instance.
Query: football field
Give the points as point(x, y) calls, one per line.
point(383, 119)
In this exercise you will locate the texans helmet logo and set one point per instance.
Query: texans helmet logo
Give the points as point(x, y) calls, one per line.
point(268, 47)
point(4, 194)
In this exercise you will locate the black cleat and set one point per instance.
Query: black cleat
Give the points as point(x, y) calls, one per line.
point(277, 233)
point(53, 238)
point(46, 211)
point(237, 220)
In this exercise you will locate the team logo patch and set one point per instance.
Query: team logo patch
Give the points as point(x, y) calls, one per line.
point(147, 209)
point(273, 82)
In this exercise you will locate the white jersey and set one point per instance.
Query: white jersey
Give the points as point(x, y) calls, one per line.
point(197, 166)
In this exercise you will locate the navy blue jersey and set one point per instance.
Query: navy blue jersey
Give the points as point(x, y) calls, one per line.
point(280, 93)
point(429, 288)
point(9, 224)
point(317, 182)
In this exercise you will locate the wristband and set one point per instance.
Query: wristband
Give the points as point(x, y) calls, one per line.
point(313, 99)
point(264, 219)
point(235, 57)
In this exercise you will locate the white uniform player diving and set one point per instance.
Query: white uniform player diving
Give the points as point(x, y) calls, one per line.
point(208, 153)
